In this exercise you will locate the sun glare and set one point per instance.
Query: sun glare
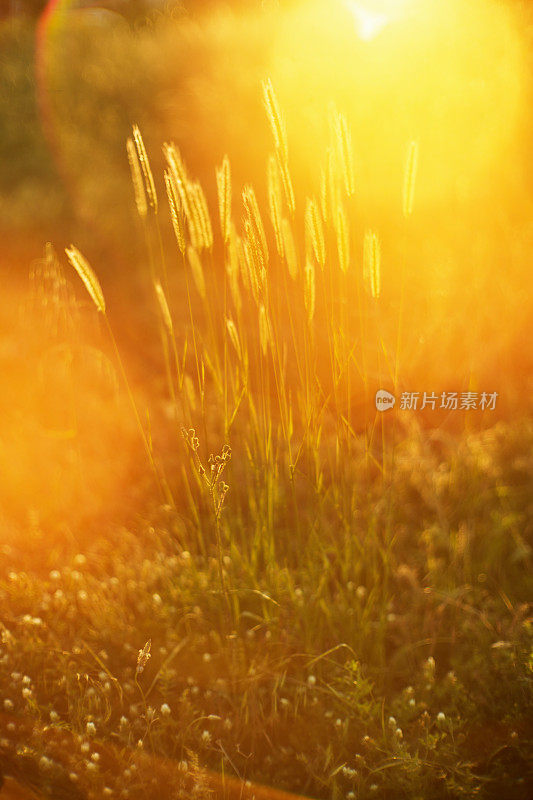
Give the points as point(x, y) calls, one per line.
point(403, 71)
point(368, 22)
point(372, 16)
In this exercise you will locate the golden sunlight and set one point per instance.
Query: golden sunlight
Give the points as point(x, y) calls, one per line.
point(406, 71)
point(371, 18)
point(266, 425)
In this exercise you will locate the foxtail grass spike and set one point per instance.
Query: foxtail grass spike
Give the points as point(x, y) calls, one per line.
point(174, 203)
point(149, 184)
point(372, 263)
point(87, 275)
point(223, 174)
point(137, 179)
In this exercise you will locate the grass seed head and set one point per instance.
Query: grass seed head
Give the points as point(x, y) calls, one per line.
point(143, 656)
point(343, 241)
point(275, 201)
point(142, 155)
point(87, 275)
point(309, 290)
point(372, 263)
point(176, 215)
point(223, 174)
point(137, 179)
point(276, 120)
point(163, 305)
point(314, 231)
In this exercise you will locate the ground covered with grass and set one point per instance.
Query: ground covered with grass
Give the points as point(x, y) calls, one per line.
point(401, 669)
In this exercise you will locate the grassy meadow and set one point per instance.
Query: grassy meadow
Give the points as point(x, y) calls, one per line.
point(224, 230)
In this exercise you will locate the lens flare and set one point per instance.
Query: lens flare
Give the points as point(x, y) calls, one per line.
point(368, 23)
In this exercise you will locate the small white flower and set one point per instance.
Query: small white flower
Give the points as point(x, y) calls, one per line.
point(412, 702)
point(123, 722)
point(157, 599)
point(392, 722)
point(441, 717)
point(45, 763)
point(91, 766)
point(8, 704)
point(361, 592)
point(165, 709)
point(91, 729)
point(206, 737)
point(82, 595)
point(80, 560)
point(311, 680)
point(85, 747)
point(26, 680)
point(54, 716)
point(398, 733)
point(55, 575)
point(95, 757)
point(26, 693)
